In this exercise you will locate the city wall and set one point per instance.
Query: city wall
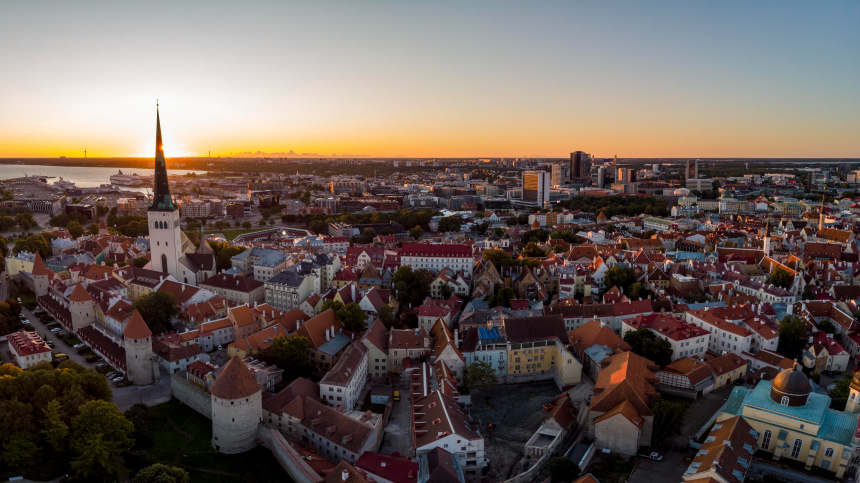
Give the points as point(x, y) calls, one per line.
point(196, 398)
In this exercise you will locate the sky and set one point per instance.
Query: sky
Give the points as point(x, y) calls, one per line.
point(431, 79)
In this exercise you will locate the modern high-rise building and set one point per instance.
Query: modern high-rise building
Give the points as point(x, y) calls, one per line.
point(559, 174)
point(692, 171)
point(601, 177)
point(536, 188)
point(580, 167)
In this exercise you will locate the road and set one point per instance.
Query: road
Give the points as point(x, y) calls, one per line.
point(59, 344)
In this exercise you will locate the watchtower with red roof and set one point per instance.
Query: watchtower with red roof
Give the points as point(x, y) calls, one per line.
point(237, 408)
point(137, 340)
point(82, 308)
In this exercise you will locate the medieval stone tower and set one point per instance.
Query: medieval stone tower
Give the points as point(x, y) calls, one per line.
point(237, 408)
point(81, 307)
point(137, 340)
point(41, 276)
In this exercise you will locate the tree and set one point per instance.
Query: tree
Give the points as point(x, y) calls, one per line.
point(161, 473)
point(93, 229)
point(561, 469)
point(56, 430)
point(446, 291)
point(140, 262)
point(141, 418)
point(411, 287)
point(621, 277)
point(503, 297)
point(291, 353)
point(416, 232)
point(96, 460)
point(668, 418)
point(386, 316)
point(649, 346)
point(807, 293)
point(157, 308)
point(224, 252)
point(352, 317)
point(480, 376)
point(648, 234)
point(792, 336)
point(780, 278)
point(827, 326)
point(318, 226)
point(512, 221)
point(368, 235)
point(450, 224)
point(19, 452)
point(246, 225)
point(532, 250)
point(839, 394)
point(815, 377)
point(637, 292)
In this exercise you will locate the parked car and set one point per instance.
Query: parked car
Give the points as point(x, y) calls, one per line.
point(56, 329)
point(220, 347)
point(739, 382)
point(60, 356)
point(117, 379)
point(101, 364)
point(653, 456)
point(50, 344)
point(78, 346)
point(832, 373)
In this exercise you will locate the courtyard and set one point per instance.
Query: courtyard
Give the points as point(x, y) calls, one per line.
point(516, 412)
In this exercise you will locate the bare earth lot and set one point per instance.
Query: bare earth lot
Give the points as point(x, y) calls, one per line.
point(517, 413)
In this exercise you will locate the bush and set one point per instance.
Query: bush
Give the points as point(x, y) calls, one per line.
point(28, 327)
point(92, 358)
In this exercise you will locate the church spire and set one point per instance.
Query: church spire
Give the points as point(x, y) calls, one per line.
point(161, 199)
point(821, 216)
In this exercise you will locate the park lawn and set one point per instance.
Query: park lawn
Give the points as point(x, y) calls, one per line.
point(196, 454)
point(231, 234)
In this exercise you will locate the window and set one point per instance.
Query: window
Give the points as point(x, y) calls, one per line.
point(795, 450)
point(828, 453)
point(784, 401)
point(765, 440)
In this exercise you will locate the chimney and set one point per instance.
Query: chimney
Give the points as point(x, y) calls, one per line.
point(327, 337)
point(183, 288)
point(344, 475)
point(298, 324)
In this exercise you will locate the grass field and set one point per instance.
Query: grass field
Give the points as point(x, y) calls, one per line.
point(182, 438)
point(231, 234)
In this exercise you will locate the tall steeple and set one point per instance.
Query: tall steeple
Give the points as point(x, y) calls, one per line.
point(161, 199)
point(821, 216)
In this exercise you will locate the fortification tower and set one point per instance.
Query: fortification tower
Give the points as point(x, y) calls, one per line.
point(237, 408)
point(81, 307)
point(137, 340)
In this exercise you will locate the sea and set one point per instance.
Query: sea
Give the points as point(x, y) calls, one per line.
point(83, 177)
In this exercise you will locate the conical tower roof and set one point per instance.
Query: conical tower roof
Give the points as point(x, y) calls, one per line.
point(102, 224)
point(80, 294)
point(136, 327)
point(39, 267)
point(235, 381)
point(161, 199)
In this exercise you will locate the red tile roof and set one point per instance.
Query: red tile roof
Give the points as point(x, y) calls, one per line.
point(235, 382)
point(136, 327)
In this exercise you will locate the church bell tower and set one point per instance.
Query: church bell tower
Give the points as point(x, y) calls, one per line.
point(165, 233)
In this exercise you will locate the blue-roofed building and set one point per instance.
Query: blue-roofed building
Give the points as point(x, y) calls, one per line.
point(794, 421)
point(486, 344)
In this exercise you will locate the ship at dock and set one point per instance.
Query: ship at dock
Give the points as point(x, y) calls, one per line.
point(126, 179)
